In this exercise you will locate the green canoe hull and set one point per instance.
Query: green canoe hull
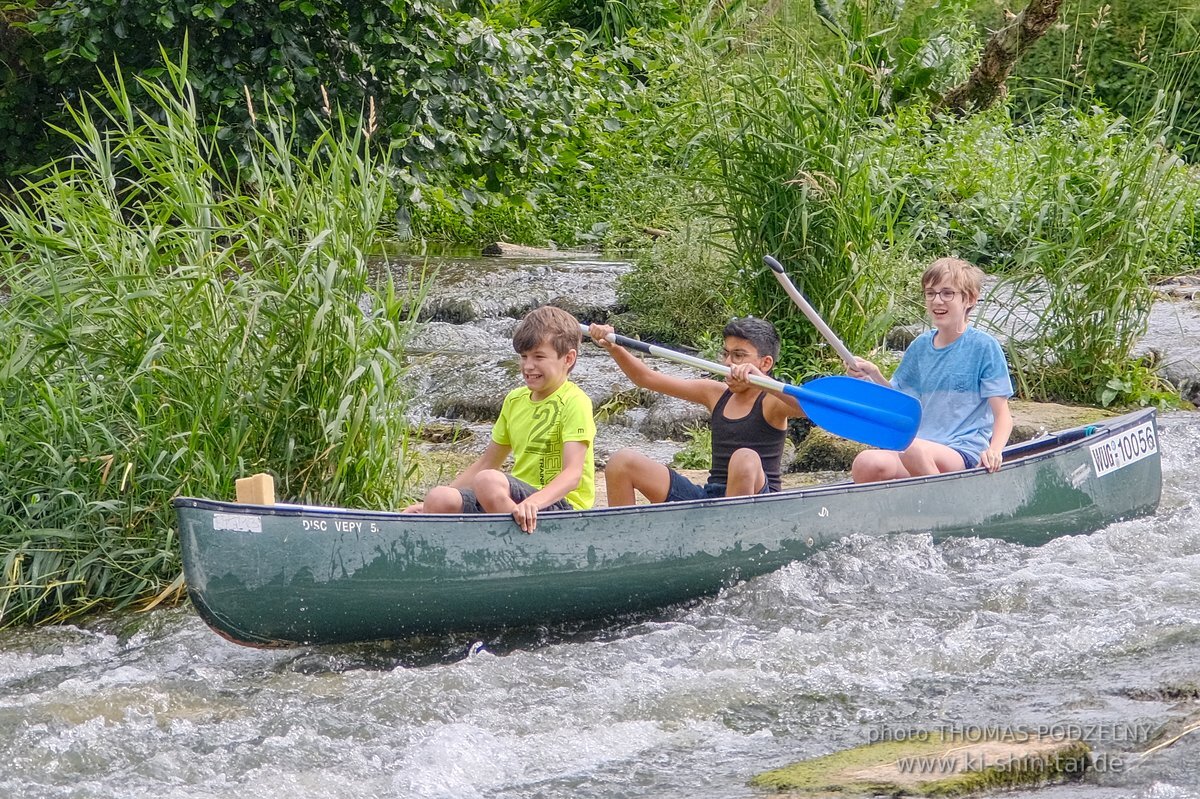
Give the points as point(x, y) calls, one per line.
point(288, 575)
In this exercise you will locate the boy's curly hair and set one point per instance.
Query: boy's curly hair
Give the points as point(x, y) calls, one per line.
point(549, 325)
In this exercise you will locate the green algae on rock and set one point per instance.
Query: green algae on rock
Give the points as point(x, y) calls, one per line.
point(936, 765)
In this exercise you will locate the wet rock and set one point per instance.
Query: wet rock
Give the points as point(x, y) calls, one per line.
point(1033, 419)
point(613, 437)
point(822, 451)
point(673, 418)
point(1181, 287)
point(447, 339)
point(1173, 336)
point(454, 310)
point(1184, 375)
point(470, 391)
point(480, 408)
point(1174, 730)
point(932, 764)
point(442, 433)
point(465, 290)
point(898, 338)
point(1188, 691)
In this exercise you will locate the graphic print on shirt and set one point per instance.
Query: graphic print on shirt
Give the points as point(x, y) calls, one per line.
point(545, 439)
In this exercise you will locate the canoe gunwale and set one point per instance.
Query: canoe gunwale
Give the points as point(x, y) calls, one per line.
point(1075, 438)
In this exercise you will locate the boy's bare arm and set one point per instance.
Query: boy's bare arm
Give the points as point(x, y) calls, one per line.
point(700, 390)
point(563, 483)
point(993, 457)
point(492, 457)
point(865, 370)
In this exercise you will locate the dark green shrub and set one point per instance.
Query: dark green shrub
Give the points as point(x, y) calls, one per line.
point(466, 105)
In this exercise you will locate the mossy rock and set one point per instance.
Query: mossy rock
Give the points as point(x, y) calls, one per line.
point(821, 451)
point(1032, 419)
point(934, 764)
point(441, 433)
point(1187, 691)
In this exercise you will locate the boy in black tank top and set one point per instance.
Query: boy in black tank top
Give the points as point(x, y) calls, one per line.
point(749, 424)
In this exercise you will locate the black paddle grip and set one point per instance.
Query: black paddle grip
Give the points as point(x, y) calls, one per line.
point(771, 262)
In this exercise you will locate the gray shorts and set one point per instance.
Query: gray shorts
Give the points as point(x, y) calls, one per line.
point(519, 490)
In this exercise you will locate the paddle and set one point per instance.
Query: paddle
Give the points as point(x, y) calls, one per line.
point(859, 410)
point(798, 298)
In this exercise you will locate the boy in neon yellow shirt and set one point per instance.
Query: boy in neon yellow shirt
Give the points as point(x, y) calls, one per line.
point(546, 424)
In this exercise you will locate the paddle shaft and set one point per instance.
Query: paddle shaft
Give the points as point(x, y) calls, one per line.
point(860, 410)
point(814, 317)
point(689, 360)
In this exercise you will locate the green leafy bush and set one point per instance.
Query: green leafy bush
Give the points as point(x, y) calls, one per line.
point(791, 135)
point(678, 290)
point(697, 453)
point(465, 104)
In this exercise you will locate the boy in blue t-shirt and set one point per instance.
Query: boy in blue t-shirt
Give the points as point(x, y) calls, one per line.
point(961, 378)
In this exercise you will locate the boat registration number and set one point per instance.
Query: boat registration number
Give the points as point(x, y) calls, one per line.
point(1126, 448)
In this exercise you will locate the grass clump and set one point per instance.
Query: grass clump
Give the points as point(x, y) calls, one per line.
point(790, 140)
point(169, 327)
point(680, 289)
point(697, 453)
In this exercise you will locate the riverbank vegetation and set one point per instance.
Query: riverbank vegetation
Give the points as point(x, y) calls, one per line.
point(168, 328)
point(186, 292)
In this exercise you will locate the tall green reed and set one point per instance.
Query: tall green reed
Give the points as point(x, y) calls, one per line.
point(1095, 238)
point(170, 327)
point(792, 134)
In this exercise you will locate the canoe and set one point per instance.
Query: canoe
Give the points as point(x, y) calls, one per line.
point(286, 575)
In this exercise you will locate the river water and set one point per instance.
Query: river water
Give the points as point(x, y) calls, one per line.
point(868, 639)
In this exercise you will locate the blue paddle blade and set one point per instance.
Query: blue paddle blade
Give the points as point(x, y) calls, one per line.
point(860, 410)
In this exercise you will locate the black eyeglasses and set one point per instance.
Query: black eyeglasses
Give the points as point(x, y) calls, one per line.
point(946, 294)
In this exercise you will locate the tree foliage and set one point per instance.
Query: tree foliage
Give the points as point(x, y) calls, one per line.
point(460, 97)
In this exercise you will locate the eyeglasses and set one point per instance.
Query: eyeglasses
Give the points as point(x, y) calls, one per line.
point(947, 295)
point(737, 356)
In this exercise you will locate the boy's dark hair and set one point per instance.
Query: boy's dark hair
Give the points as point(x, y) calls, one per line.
point(759, 332)
point(549, 325)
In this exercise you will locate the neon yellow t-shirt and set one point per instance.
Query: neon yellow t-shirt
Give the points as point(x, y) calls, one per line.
point(536, 432)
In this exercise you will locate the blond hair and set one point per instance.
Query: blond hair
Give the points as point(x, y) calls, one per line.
point(964, 276)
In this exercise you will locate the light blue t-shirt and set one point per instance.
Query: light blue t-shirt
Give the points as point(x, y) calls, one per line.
point(954, 384)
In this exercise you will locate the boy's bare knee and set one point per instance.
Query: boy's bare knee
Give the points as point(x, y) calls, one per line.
point(745, 474)
point(872, 465)
point(745, 459)
point(622, 461)
point(443, 499)
point(490, 485)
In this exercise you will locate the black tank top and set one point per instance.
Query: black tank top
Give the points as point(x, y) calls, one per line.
point(753, 431)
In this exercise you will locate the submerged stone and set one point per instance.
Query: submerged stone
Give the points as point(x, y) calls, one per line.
point(930, 763)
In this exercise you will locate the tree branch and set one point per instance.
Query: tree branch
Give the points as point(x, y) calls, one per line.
point(986, 84)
